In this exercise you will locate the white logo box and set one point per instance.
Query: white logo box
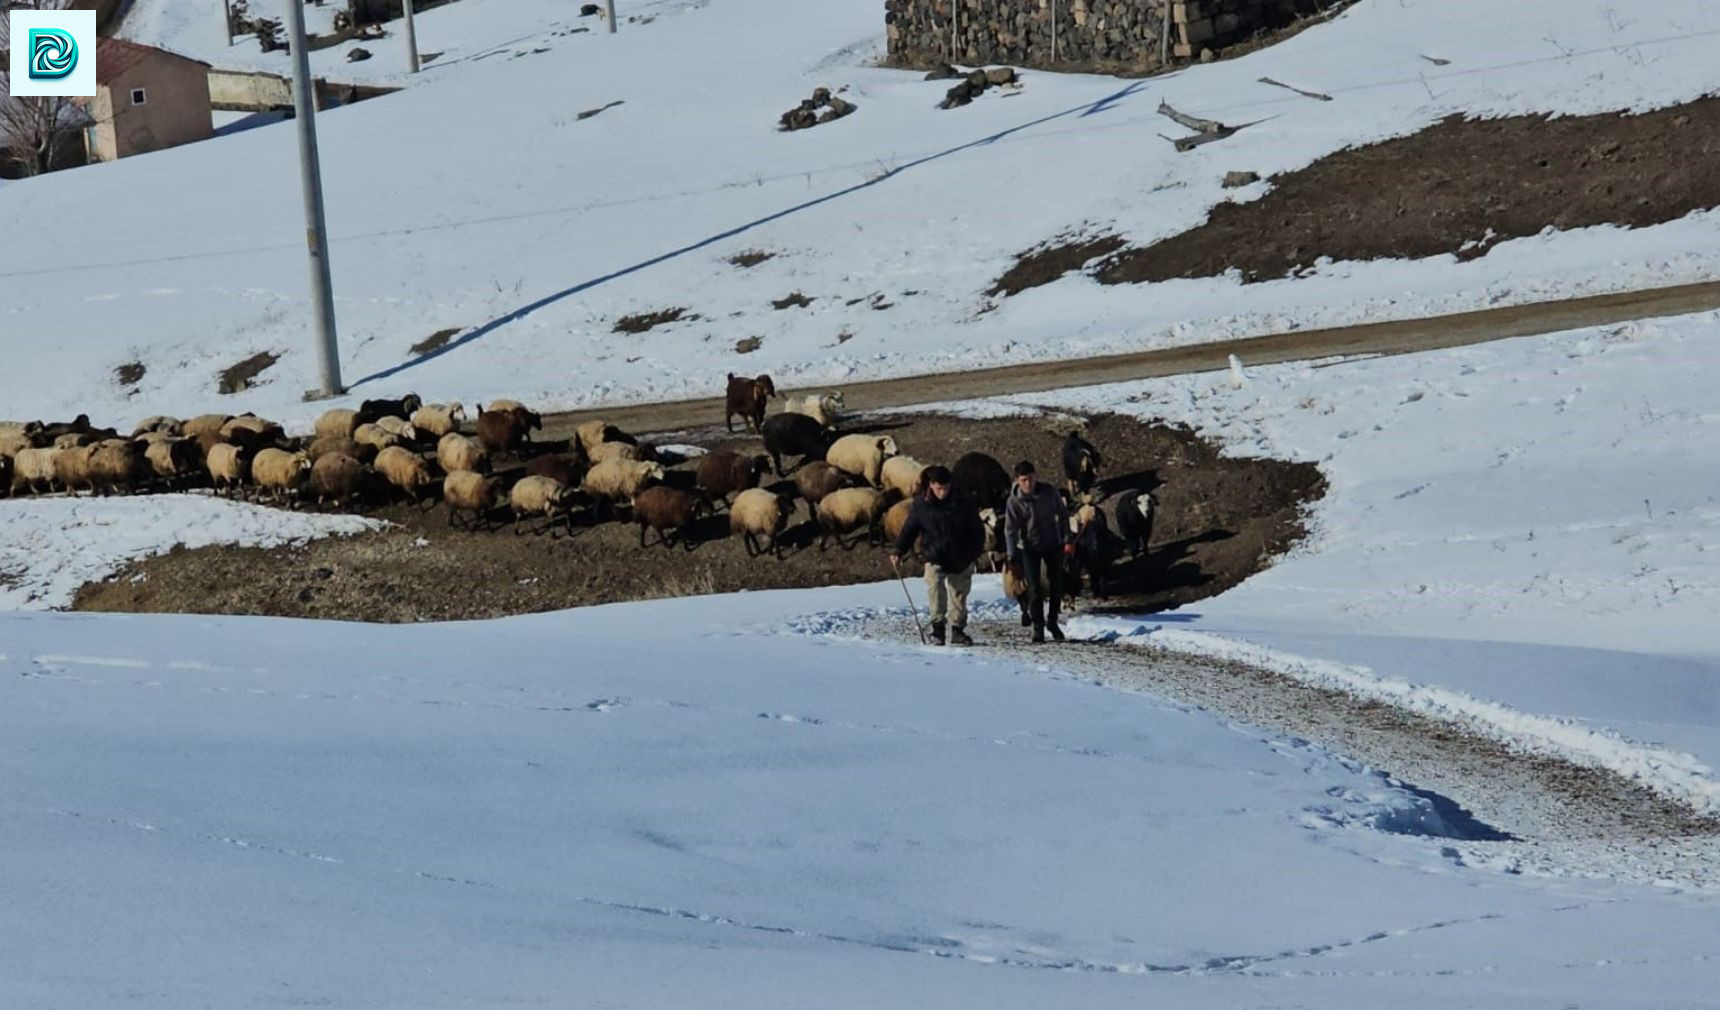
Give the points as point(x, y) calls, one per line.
point(81, 82)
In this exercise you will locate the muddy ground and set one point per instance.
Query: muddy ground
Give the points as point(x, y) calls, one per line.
point(1460, 186)
point(1221, 520)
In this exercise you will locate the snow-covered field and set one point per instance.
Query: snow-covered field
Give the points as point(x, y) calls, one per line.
point(1516, 537)
point(478, 200)
point(50, 547)
point(663, 805)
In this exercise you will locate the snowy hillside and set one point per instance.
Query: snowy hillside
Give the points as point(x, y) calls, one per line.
point(244, 813)
point(1516, 537)
point(480, 201)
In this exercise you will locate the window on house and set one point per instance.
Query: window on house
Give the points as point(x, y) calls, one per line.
point(138, 96)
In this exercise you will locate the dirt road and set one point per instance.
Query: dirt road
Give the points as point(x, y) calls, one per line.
point(1397, 337)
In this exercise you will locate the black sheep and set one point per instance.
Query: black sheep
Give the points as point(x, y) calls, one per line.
point(980, 479)
point(1081, 463)
point(793, 434)
point(1135, 513)
point(370, 410)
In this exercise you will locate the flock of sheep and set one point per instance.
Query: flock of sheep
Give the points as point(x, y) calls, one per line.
point(855, 485)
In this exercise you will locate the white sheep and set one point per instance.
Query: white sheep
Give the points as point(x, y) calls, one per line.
point(616, 450)
point(228, 466)
point(375, 436)
point(206, 424)
point(467, 491)
point(592, 434)
point(337, 423)
point(35, 469)
point(158, 425)
point(758, 515)
point(280, 472)
point(438, 419)
point(399, 427)
point(541, 496)
point(861, 455)
point(457, 452)
point(825, 408)
point(901, 474)
point(618, 480)
point(849, 510)
point(404, 469)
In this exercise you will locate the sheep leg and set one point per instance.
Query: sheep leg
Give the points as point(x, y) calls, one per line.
point(642, 535)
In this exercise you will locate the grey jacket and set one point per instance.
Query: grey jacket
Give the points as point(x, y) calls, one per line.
point(1037, 522)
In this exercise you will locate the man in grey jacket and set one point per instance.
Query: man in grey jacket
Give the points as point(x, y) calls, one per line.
point(1036, 530)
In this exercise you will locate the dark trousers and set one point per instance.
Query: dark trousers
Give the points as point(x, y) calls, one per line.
point(1032, 564)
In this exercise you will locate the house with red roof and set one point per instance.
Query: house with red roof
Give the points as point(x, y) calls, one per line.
point(147, 99)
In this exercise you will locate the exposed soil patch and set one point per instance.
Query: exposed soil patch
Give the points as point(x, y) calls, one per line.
point(794, 300)
point(642, 321)
point(1046, 263)
point(130, 374)
point(750, 258)
point(1221, 520)
point(1458, 187)
point(435, 341)
point(747, 345)
point(240, 377)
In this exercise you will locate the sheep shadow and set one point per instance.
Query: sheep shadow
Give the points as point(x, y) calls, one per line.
point(1134, 585)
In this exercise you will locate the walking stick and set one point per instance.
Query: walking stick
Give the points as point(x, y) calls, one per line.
point(911, 608)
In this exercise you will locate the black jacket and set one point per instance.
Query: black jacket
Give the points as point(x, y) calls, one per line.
point(950, 533)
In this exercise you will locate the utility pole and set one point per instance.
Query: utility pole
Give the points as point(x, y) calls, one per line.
point(316, 224)
point(411, 36)
point(609, 13)
point(227, 9)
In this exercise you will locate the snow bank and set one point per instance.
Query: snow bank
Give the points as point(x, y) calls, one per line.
point(49, 547)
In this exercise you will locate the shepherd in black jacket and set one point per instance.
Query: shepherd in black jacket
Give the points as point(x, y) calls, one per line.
point(951, 537)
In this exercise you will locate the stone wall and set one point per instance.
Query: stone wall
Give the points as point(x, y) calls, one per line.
point(1100, 35)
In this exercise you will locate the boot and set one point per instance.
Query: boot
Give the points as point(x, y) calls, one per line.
point(958, 636)
point(1026, 618)
point(937, 632)
point(1056, 632)
point(1039, 634)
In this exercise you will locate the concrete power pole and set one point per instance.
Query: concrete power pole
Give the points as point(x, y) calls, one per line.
point(316, 225)
point(411, 36)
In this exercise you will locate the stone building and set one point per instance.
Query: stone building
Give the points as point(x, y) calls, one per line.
point(1099, 35)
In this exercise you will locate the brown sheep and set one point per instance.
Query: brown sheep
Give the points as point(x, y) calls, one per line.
point(467, 491)
point(406, 470)
point(759, 515)
point(724, 473)
point(896, 519)
point(562, 469)
point(669, 511)
point(502, 431)
point(118, 466)
point(817, 479)
point(344, 446)
point(337, 477)
point(532, 420)
point(173, 460)
point(747, 397)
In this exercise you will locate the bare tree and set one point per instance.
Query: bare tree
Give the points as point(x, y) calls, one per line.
point(36, 134)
